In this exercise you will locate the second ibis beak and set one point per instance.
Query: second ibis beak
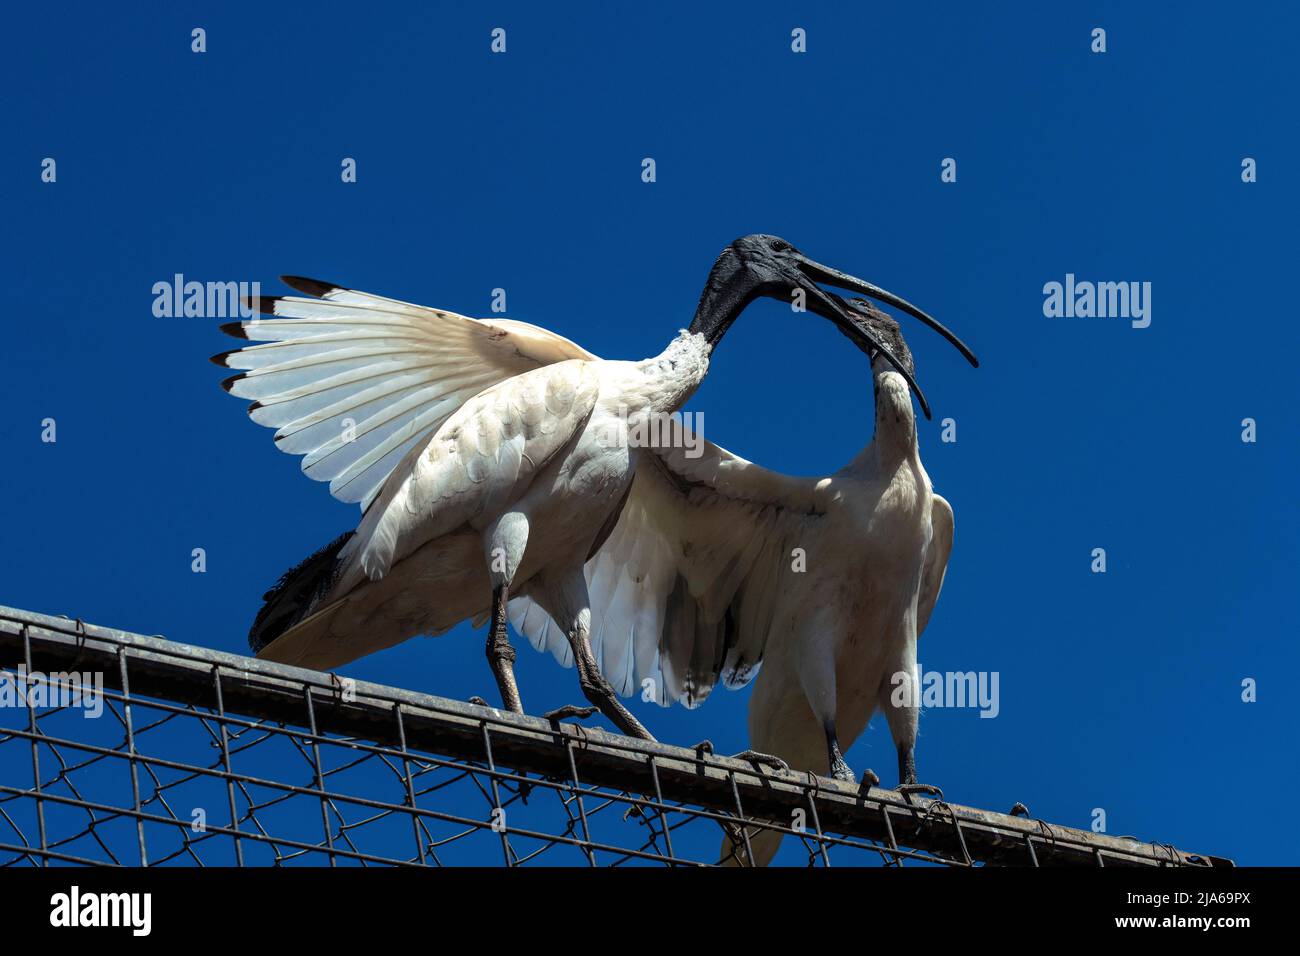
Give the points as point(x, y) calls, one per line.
point(847, 319)
point(842, 280)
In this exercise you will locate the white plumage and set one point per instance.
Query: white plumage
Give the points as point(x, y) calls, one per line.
point(492, 460)
point(718, 566)
point(466, 443)
point(353, 381)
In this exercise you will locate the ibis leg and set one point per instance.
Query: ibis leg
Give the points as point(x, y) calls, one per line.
point(501, 653)
point(598, 690)
point(839, 768)
point(563, 594)
point(907, 764)
point(903, 716)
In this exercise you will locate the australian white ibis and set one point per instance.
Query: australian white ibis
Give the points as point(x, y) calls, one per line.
point(717, 566)
point(481, 455)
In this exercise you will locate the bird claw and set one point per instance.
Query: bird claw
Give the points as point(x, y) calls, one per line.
point(762, 759)
point(479, 701)
point(569, 710)
point(869, 780)
point(703, 749)
point(1019, 810)
point(920, 788)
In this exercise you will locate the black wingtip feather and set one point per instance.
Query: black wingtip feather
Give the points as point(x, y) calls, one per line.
point(235, 329)
point(220, 357)
point(310, 286)
point(264, 304)
point(229, 383)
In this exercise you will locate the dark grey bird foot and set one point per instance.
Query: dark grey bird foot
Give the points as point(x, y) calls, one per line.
point(840, 771)
point(703, 749)
point(1019, 810)
point(921, 788)
point(762, 759)
point(869, 780)
point(598, 691)
point(569, 710)
point(631, 727)
point(479, 701)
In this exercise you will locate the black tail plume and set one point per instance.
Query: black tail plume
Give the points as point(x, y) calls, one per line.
point(296, 592)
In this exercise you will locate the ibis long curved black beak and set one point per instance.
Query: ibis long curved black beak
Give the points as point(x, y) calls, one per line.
point(851, 323)
point(854, 326)
point(763, 265)
point(842, 280)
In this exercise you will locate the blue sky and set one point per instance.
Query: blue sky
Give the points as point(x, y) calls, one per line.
point(476, 171)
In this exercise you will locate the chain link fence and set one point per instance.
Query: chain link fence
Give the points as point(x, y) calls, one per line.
point(117, 748)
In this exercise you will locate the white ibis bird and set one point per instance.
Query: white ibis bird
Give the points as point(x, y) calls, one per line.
point(717, 566)
point(490, 458)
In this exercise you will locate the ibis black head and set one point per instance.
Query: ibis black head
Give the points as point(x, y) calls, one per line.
point(761, 265)
point(887, 332)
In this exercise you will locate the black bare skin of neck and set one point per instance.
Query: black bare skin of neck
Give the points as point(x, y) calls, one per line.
point(725, 297)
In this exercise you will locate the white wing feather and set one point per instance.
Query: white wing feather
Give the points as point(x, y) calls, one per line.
point(353, 381)
point(936, 560)
point(683, 591)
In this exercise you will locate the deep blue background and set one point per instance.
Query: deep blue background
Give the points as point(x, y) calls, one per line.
point(1119, 691)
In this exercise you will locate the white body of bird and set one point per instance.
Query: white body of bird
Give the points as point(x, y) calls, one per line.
point(515, 486)
point(855, 654)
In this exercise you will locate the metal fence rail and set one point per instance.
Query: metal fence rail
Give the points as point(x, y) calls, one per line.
point(195, 757)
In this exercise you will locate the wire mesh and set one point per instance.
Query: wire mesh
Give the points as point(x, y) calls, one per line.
point(121, 749)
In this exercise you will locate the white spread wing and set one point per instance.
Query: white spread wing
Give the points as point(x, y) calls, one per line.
point(353, 381)
point(684, 590)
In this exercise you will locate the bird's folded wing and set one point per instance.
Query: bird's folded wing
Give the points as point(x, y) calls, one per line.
point(353, 381)
point(685, 590)
point(936, 560)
